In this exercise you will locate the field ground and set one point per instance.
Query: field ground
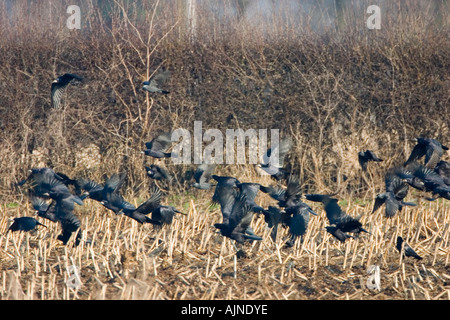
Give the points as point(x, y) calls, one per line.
point(190, 260)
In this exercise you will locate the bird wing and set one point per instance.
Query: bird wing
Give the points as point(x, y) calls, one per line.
point(152, 203)
point(241, 215)
point(275, 154)
point(204, 172)
point(58, 88)
point(418, 152)
point(226, 197)
point(433, 155)
point(293, 189)
point(160, 143)
point(38, 203)
point(379, 201)
point(333, 211)
point(392, 205)
point(250, 190)
point(362, 162)
point(157, 79)
point(114, 183)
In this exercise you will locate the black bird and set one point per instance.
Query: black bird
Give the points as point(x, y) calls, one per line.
point(406, 249)
point(225, 186)
point(396, 191)
point(430, 181)
point(157, 147)
point(140, 213)
point(59, 86)
point(273, 217)
point(443, 169)
point(273, 160)
point(158, 173)
point(203, 175)
point(338, 233)
point(432, 149)
point(285, 197)
point(115, 202)
point(237, 221)
point(336, 217)
point(63, 211)
point(250, 190)
point(331, 206)
point(100, 193)
point(366, 156)
point(349, 224)
point(64, 204)
point(297, 219)
point(38, 175)
point(24, 224)
point(152, 85)
point(43, 209)
point(163, 215)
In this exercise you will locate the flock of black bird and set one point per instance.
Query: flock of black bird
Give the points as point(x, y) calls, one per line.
point(54, 195)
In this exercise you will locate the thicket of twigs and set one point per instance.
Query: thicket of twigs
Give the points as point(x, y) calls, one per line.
point(336, 92)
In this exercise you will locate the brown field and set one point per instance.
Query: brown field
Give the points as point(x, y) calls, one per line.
point(336, 91)
point(190, 260)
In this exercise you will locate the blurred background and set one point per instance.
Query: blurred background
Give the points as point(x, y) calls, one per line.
point(309, 68)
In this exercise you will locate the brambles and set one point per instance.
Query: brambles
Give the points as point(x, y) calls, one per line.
point(334, 92)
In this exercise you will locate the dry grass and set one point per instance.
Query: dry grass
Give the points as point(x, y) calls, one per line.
point(190, 260)
point(336, 91)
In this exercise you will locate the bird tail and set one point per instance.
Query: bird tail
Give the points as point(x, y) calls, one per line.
point(410, 204)
point(252, 237)
point(183, 213)
point(164, 92)
point(40, 224)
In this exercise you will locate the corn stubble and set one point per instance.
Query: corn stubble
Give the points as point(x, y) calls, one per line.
point(335, 93)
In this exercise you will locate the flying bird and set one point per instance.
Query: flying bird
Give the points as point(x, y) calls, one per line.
point(203, 175)
point(153, 84)
point(237, 220)
point(59, 86)
point(338, 233)
point(392, 198)
point(285, 197)
point(432, 149)
point(98, 192)
point(273, 217)
point(340, 222)
point(163, 215)
point(331, 206)
point(63, 210)
point(428, 180)
point(406, 249)
point(24, 224)
point(140, 214)
point(365, 156)
point(297, 220)
point(157, 147)
point(158, 173)
point(273, 159)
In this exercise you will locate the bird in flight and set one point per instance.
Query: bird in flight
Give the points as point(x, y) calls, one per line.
point(366, 156)
point(24, 224)
point(59, 86)
point(153, 84)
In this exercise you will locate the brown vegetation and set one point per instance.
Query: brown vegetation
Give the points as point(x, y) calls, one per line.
point(338, 91)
